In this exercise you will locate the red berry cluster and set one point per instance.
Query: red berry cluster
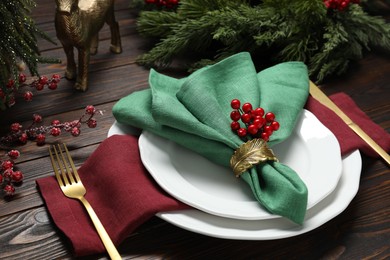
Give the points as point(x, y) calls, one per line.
point(11, 90)
point(163, 3)
point(8, 176)
point(340, 5)
point(258, 124)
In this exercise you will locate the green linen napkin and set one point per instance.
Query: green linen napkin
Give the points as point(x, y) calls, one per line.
point(195, 112)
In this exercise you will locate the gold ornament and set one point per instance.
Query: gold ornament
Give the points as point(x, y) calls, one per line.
point(77, 24)
point(249, 154)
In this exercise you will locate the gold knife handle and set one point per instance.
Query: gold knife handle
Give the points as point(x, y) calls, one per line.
point(370, 142)
point(326, 101)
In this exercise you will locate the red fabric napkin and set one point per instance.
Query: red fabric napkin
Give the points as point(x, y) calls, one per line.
point(124, 195)
point(349, 141)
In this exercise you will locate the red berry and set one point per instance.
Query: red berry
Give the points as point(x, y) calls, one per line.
point(275, 125)
point(90, 110)
point(53, 85)
point(22, 78)
point(8, 174)
point(55, 131)
point(17, 176)
point(14, 154)
point(246, 118)
point(28, 95)
point(268, 129)
point(23, 138)
point(258, 112)
point(241, 132)
point(270, 117)
point(55, 122)
point(235, 115)
point(9, 190)
point(7, 164)
point(1, 179)
point(15, 127)
point(10, 83)
point(247, 107)
point(259, 122)
point(92, 123)
point(2, 94)
point(37, 118)
point(235, 125)
point(75, 131)
point(252, 129)
point(43, 80)
point(41, 138)
point(235, 104)
point(56, 78)
point(265, 136)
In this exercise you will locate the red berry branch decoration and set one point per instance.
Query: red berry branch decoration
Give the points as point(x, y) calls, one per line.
point(36, 132)
point(256, 123)
point(12, 89)
point(9, 177)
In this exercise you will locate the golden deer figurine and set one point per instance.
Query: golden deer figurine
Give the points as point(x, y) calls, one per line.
point(77, 24)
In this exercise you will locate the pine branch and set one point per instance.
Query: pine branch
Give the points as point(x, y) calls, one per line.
point(18, 40)
point(285, 30)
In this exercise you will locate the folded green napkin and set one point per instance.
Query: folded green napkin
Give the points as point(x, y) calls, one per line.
point(195, 113)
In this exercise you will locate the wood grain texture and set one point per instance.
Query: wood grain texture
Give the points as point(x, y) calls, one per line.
point(362, 231)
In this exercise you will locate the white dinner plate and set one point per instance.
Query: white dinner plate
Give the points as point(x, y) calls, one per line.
point(268, 229)
point(312, 151)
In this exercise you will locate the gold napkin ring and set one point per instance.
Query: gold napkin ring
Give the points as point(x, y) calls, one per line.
point(249, 154)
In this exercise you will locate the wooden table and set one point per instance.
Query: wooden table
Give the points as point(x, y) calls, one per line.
point(362, 231)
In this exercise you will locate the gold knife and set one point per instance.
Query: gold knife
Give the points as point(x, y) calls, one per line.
point(316, 93)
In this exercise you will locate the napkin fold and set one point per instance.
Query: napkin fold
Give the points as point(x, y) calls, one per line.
point(195, 113)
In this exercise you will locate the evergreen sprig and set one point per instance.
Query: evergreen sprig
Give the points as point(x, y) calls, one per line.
point(18, 42)
point(285, 30)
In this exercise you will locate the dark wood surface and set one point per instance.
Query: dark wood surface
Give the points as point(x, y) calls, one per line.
point(362, 231)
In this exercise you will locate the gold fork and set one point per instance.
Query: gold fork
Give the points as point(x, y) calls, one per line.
point(72, 187)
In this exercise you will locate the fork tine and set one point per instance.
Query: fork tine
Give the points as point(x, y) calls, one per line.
point(55, 167)
point(70, 160)
point(76, 174)
point(61, 165)
point(66, 163)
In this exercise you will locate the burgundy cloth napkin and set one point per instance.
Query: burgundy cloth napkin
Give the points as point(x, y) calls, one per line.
point(124, 195)
point(349, 141)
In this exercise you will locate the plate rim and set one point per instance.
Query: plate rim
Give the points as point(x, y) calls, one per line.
point(349, 184)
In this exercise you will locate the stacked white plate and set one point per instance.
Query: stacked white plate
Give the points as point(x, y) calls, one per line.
point(223, 205)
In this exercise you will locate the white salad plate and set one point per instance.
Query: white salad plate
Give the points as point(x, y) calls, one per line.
point(268, 229)
point(312, 151)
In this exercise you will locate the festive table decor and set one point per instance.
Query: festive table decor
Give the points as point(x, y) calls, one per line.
point(257, 131)
point(77, 26)
point(324, 34)
point(195, 112)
